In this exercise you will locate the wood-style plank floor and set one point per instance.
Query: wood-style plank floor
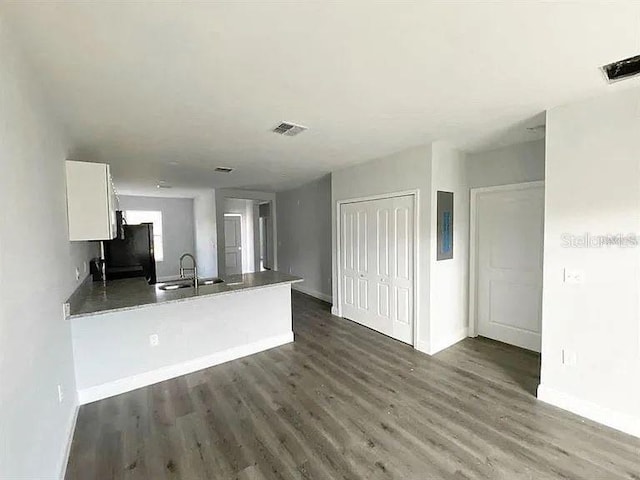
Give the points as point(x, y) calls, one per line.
point(344, 402)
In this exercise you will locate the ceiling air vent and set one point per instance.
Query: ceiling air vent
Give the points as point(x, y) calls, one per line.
point(224, 169)
point(289, 129)
point(626, 68)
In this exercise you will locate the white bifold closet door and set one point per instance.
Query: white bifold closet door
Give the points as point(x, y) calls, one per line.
point(377, 265)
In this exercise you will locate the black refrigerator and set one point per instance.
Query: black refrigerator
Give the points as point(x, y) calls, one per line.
point(131, 254)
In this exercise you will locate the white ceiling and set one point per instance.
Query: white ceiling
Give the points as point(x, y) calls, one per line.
point(141, 85)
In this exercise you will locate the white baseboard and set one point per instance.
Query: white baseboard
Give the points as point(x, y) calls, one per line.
point(321, 296)
point(71, 428)
point(606, 416)
point(448, 340)
point(98, 392)
point(422, 347)
point(425, 347)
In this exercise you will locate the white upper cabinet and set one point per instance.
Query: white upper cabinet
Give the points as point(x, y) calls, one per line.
point(91, 201)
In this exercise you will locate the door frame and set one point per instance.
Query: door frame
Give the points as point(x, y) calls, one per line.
point(416, 237)
point(473, 242)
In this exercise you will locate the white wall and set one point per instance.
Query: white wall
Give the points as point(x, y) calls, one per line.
point(449, 278)
point(593, 186)
point(206, 240)
point(304, 248)
point(177, 228)
point(406, 170)
point(37, 274)
point(523, 162)
point(192, 334)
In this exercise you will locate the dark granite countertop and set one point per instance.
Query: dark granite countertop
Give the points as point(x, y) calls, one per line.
point(95, 298)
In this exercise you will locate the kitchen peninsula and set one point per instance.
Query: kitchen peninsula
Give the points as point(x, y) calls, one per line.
point(128, 334)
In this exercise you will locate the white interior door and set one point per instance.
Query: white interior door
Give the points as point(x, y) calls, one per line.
point(509, 242)
point(377, 268)
point(233, 244)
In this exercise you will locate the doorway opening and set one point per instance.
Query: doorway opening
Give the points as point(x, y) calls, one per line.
point(265, 237)
point(248, 236)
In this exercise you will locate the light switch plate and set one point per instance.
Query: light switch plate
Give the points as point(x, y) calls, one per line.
point(573, 275)
point(569, 358)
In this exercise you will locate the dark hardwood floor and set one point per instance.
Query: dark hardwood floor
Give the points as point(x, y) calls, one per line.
point(346, 402)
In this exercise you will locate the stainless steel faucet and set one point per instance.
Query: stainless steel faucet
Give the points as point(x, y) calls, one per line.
point(194, 269)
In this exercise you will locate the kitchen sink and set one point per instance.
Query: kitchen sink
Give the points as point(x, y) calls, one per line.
point(188, 283)
point(175, 285)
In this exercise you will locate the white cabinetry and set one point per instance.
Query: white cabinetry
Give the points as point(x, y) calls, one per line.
point(91, 201)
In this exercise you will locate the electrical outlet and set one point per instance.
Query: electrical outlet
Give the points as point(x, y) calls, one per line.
point(569, 358)
point(572, 275)
point(77, 274)
point(154, 340)
point(60, 394)
point(66, 310)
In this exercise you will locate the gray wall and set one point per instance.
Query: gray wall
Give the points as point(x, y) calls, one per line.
point(177, 228)
point(519, 163)
point(304, 233)
point(37, 274)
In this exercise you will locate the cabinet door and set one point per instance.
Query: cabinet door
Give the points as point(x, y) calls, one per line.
point(90, 208)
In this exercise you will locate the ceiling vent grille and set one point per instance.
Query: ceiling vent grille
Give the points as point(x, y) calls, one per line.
point(224, 169)
point(289, 129)
point(627, 68)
